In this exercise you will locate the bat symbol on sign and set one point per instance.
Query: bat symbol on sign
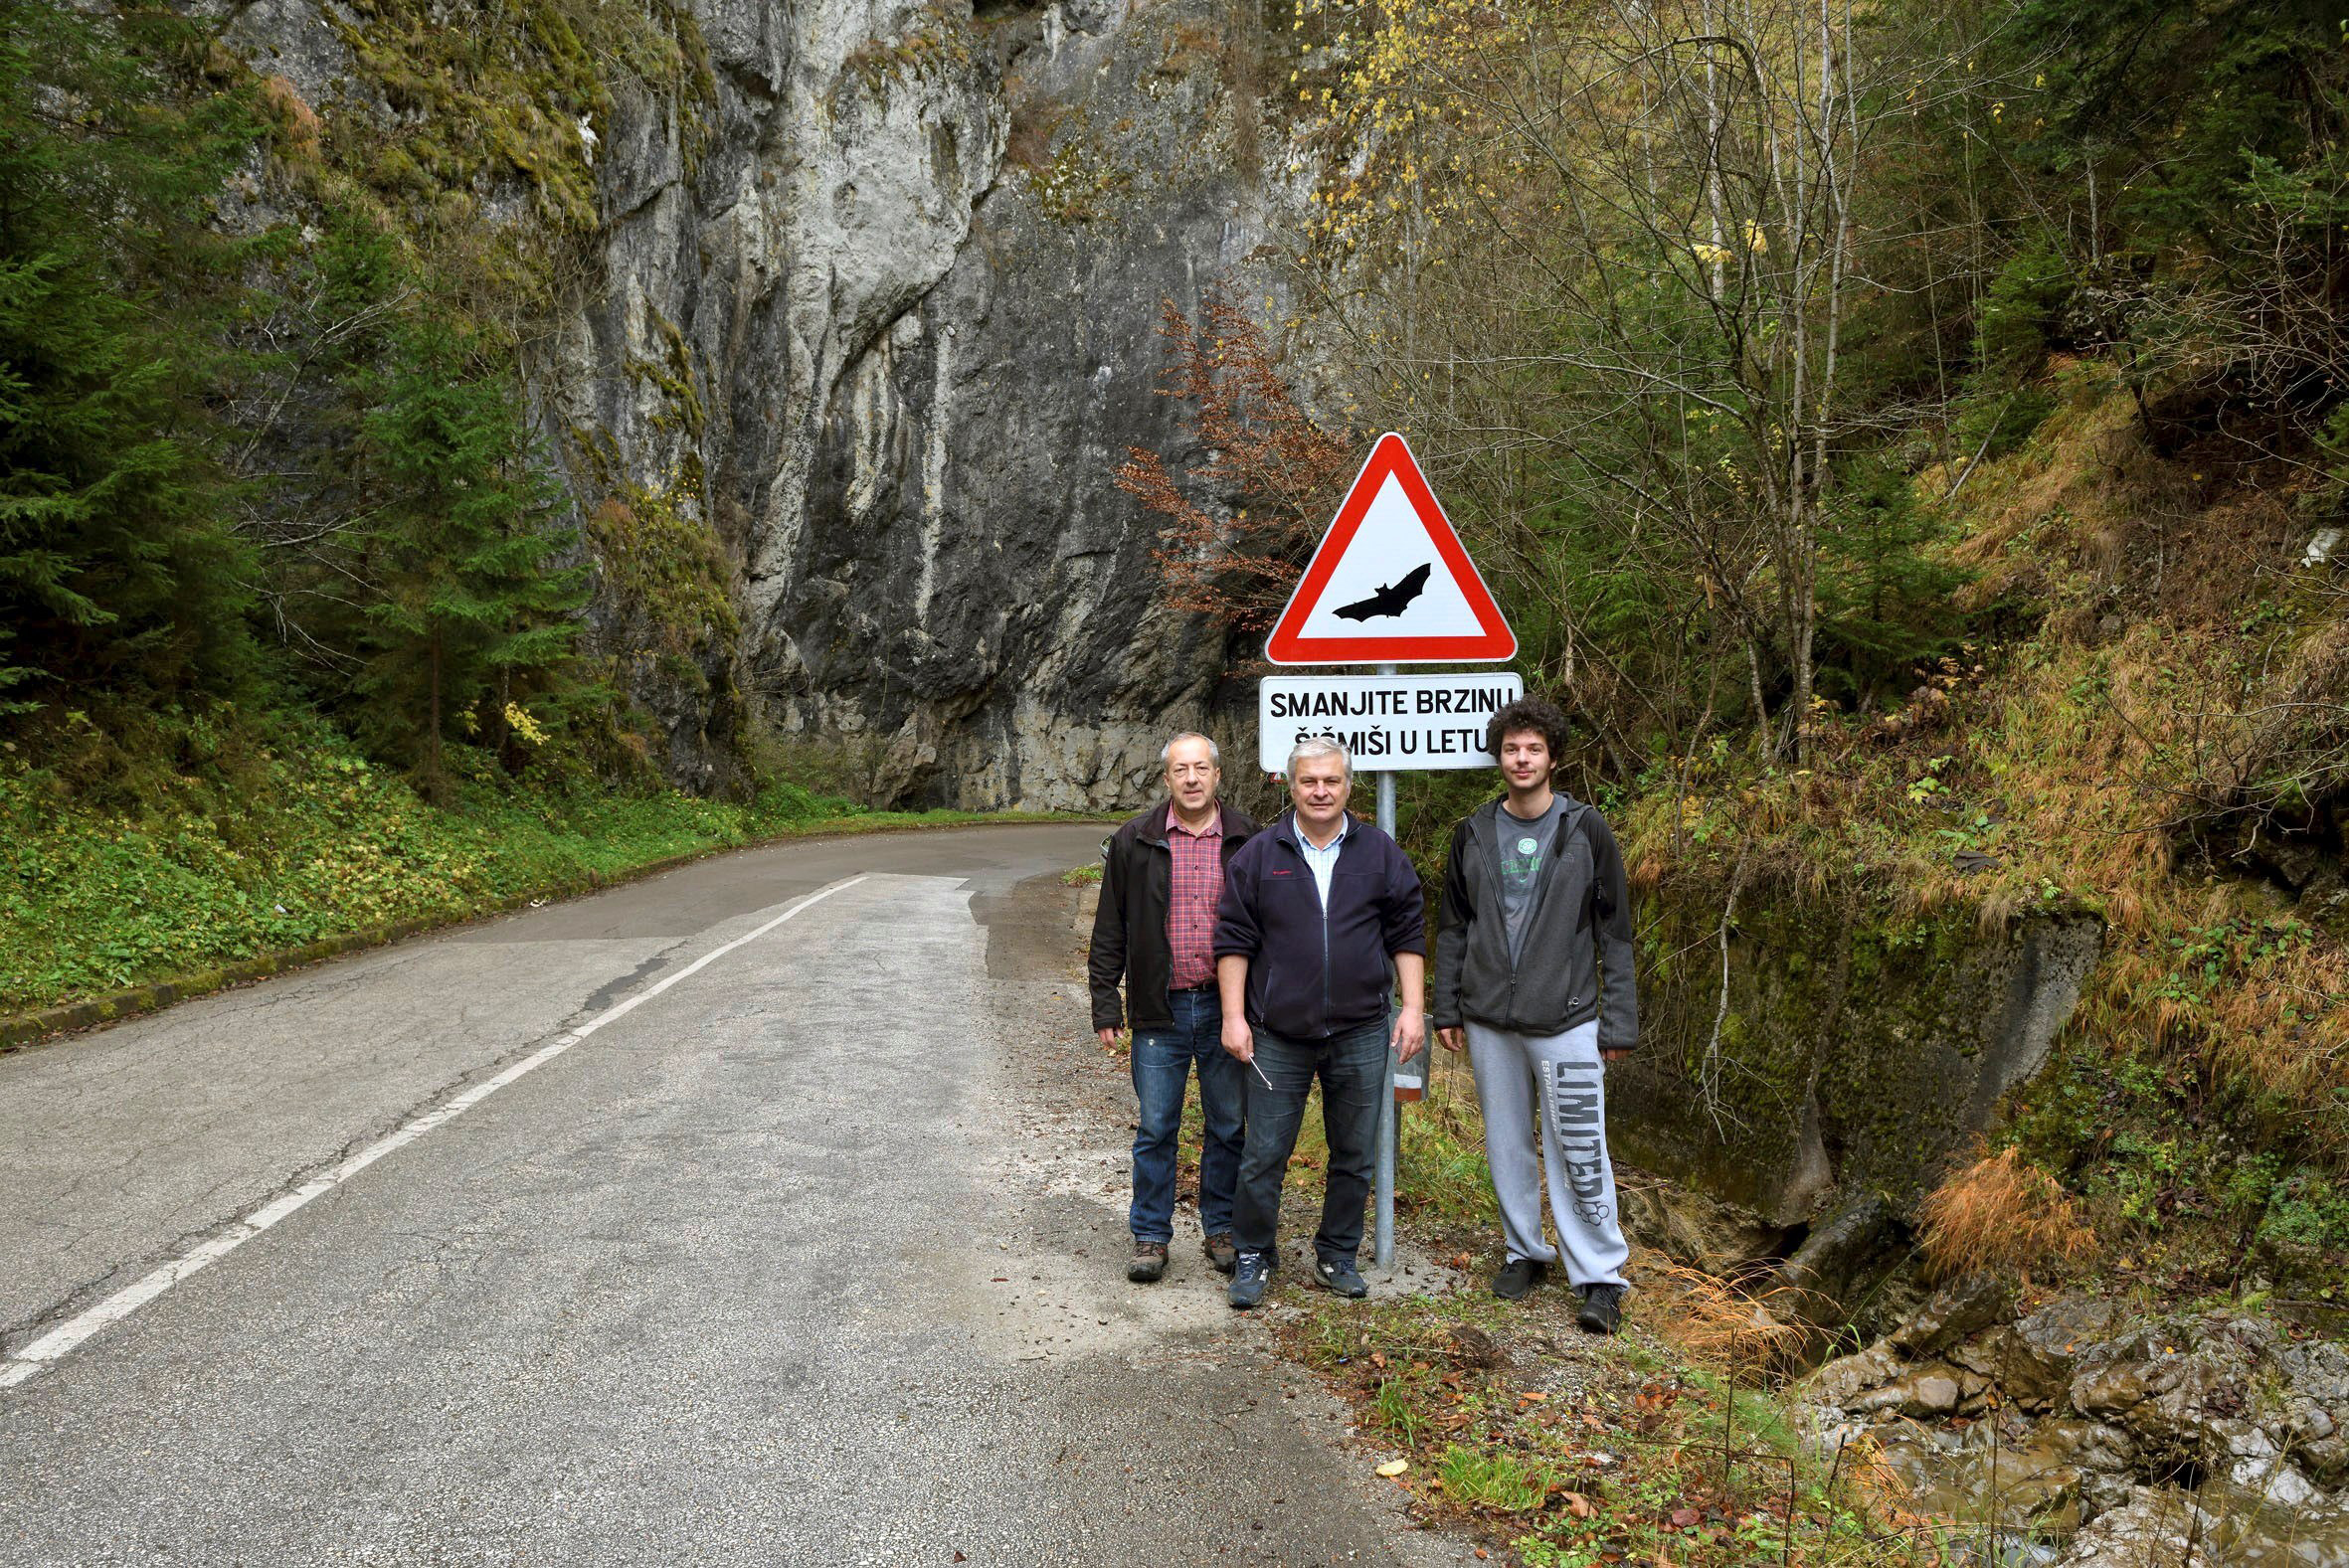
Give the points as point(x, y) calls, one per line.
point(1390, 599)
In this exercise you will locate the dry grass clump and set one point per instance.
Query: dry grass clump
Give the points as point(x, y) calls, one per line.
point(2003, 1215)
point(1720, 1328)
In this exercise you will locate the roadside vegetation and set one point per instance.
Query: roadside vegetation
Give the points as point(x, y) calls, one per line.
point(1564, 1452)
point(1910, 442)
point(193, 843)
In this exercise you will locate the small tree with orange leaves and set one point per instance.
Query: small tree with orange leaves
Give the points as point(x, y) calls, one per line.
point(1269, 481)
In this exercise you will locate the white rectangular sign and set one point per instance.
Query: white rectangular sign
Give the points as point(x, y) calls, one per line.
point(1390, 722)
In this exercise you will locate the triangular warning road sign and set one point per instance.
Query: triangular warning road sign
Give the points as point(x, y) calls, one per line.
point(1389, 583)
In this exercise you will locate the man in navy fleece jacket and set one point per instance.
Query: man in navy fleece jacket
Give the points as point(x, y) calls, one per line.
point(1320, 915)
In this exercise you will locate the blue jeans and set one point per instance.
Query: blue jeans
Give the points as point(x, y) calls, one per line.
point(1162, 1061)
point(1351, 1066)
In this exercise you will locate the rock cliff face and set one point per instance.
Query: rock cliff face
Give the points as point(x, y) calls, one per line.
point(1846, 1063)
point(854, 311)
point(880, 310)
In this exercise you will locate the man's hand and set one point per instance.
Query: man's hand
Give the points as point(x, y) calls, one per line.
point(1615, 1053)
point(1451, 1039)
point(1411, 1033)
point(1237, 1039)
point(1109, 1036)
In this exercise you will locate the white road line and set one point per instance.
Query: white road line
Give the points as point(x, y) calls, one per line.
point(23, 1363)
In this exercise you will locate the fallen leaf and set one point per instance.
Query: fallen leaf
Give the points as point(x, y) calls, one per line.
point(1682, 1518)
point(1578, 1505)
point(1394, 1466)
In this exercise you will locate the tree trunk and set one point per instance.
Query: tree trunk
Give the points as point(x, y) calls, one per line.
point(431, 734)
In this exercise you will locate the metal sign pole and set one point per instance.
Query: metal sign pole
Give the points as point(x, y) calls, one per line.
point(1382, 1234)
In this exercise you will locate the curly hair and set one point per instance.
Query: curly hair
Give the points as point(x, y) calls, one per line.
point(1527, 713)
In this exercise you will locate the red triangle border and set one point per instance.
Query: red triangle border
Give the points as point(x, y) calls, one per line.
point(1288, 644)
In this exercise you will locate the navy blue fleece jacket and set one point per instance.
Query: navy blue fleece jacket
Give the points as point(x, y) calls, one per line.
point(1310, 976)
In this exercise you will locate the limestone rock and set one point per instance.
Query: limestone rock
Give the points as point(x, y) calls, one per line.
point(2055, 1478)
point(868, 364)
point(1866, 1065)
point(2182, 1386)
point(1926, 1392)
point(1838, 1261)
point(2313, 1416)
point(2031, 1362)
point(1841, 1382)
point(1960, 1309)
point(2153, 1525)
point(2255, 1530)
point(1692, 1228)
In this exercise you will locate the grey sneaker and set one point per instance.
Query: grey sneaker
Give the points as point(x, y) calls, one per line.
point(1250, 1274)
point(1222, 1254)
point(1517, 1275)
point(1150, 1263)
point(1343, 1278)
point(1602, 1308)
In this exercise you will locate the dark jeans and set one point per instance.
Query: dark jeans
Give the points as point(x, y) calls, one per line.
point(1162, 1061)
point(1352, 1069)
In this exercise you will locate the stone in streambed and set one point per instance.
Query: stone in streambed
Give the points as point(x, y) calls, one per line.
point(1841, 1382)
point(1959, 1310)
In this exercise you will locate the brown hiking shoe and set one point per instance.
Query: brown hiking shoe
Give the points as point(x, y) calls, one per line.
point(1222, 1253)
point(1150, 1263)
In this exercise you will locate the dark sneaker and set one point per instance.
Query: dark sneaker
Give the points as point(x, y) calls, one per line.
point(1251, 1272)
point(1222, 1253)
point(1517, 1275)
point(1602, 1308)
point(1343, 1278)
point(1150, 1263)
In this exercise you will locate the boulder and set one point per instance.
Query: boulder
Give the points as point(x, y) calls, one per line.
point(2183, 1387)
point(1928, 1391)
point(1824, 1278)
point(2031, 1362)
point(1841, 1382)
point(2312, 1416)
point(1958, 1310)
point(1867, 1054)
point(2154, 1526)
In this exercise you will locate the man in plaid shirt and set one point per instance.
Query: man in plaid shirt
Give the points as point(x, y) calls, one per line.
point(1161, 879)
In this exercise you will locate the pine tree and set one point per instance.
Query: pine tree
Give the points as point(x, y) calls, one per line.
point(118, 561)
point(466, 606)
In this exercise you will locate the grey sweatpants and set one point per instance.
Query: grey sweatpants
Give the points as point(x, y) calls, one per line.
point(1565, 1073)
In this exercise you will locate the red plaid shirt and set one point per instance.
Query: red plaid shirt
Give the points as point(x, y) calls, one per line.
point(1191, 898)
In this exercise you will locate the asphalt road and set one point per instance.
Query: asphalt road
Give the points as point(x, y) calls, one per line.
point(812, 1257)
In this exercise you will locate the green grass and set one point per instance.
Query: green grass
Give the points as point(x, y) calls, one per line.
point(242, 844)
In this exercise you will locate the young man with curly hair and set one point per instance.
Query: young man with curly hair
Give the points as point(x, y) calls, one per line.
point(1533, 974)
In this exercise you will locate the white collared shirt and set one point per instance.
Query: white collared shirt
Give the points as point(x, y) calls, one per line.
point(1321, 862)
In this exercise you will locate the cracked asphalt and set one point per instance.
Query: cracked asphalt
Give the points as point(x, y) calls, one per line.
point(815, 1257)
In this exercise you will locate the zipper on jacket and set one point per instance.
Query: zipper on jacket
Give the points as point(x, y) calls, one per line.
point(1324, 920)
point(1492, 837)
point(1297, 835)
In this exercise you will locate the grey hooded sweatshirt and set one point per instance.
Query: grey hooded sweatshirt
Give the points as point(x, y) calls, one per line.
point(1575, 958)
